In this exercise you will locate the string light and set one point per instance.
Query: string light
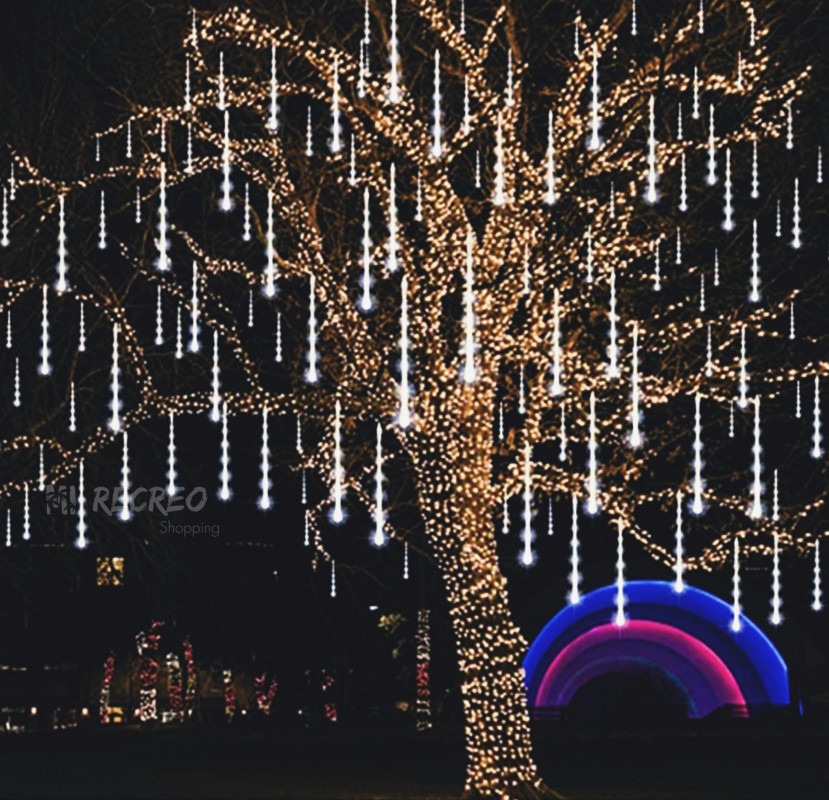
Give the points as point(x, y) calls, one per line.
point(278, 354)
point(736, 610)
point(620, 618)
point(791, 320)
point(469, 317)
point(499, 197)
point(159, 332)
point(679, 564)
point(754, 296)
point(365, 301)
point(756, 510)
point(72, 421)
point(550, 516)
point(633, 30)
point(129, 138)
point(575, 576)
point(651, 195)
point(246, 219)
point(595, 142)
point(61, 285)
point(179, 341)
point(215, 398)
point(613, 369)
point(124, 514)
point(8, 528)
point(817, 450)
point(81, 540)
point(728, 222)
point(4, 238)
point(437, 145)
point(404, 414)
point(466, 127)
point(509, 98)
point(45, 368)
point(9, 329)
point(224, 473)
point(379, 515)
point(817, 605)
point(309, 136)
point(337, 492)
point(527, 555)
point(273, 108)
point(171, 457)
point(562, 446)
point(27, 535)
point(743, 399)
point(797, 412)
point(775, 501)
point(776, 618)
point(796, 243)
point(683, 188)
point(115, 374)
point(556, 389)
point(504, 513)
point(336, 127)
point(635, 414)
point(250, 309)
point(678, 247)
point(265, 483)
point(394, 57)
point(405, 561)
point(392, 262)
point(221, 99)
point(789, 127)
point(695, 110)
point(16, 401)
point(522, 395)
point(755, 181)
point(712, 149)
point(352, 164)
point(270, 270)
point(592, 480)
point(657, 277)
point(697, 505)
point(311, 375)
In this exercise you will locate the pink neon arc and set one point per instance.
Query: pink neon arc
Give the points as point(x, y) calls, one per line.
point(607, 648)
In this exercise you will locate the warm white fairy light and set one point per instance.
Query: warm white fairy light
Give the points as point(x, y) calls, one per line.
point(509, 95)
point(527, 555)
point(365, 299)
point(80, 539)
point(27, 530)
point(124, 512)
point(437, 143)
point(195, 345)
point(754, 295)
point(115, 373)
point(683, 185)
point(575, 575)
point(61, 284)
point(171, 456)
point(550, 196)
point(620, 618)
point(651, 195)
point(278, 354)
point(392, 245)
point(265, 481)
point(696, 505)
point(755, 180)
point(4, 237)
point(311, 374)
point(743, 399)
point(789, 127)
point(246, 219)
point(613, 368)
point(756, 509)
point(679, 552)
point(736, 610)
point(162, 243)
point(336, 126)
point(796, 216)
point(592, 447)
point(562, 436)
point(499, 197)
point(657, 274)
point(309, 135)
point(179, 341)
point(215, 397)
point(404, 414)
point(469, 372)
point(728, 211)
point(270, 269)
point(16, 400)
point(817, 605)
point(273, 109)
point(224, 473)
point(817, 450)
point(556, 389)
point(709, 353)
point(45, 368)
point(466, 126)
point(394, 57)
point(776, 617)
point(379, 538)
point(72, 419)
point(337, 491)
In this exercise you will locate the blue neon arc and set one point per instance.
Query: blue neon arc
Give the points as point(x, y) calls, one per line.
point(749, 655)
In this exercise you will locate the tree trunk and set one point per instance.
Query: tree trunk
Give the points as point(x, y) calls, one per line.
point(455, 496)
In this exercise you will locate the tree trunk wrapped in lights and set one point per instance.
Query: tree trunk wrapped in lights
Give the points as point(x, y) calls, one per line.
point(534, 293)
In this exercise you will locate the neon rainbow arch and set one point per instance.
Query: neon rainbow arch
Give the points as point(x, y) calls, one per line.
point(686, 636)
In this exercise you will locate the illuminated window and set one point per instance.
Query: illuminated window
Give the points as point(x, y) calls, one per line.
point(110, 571)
